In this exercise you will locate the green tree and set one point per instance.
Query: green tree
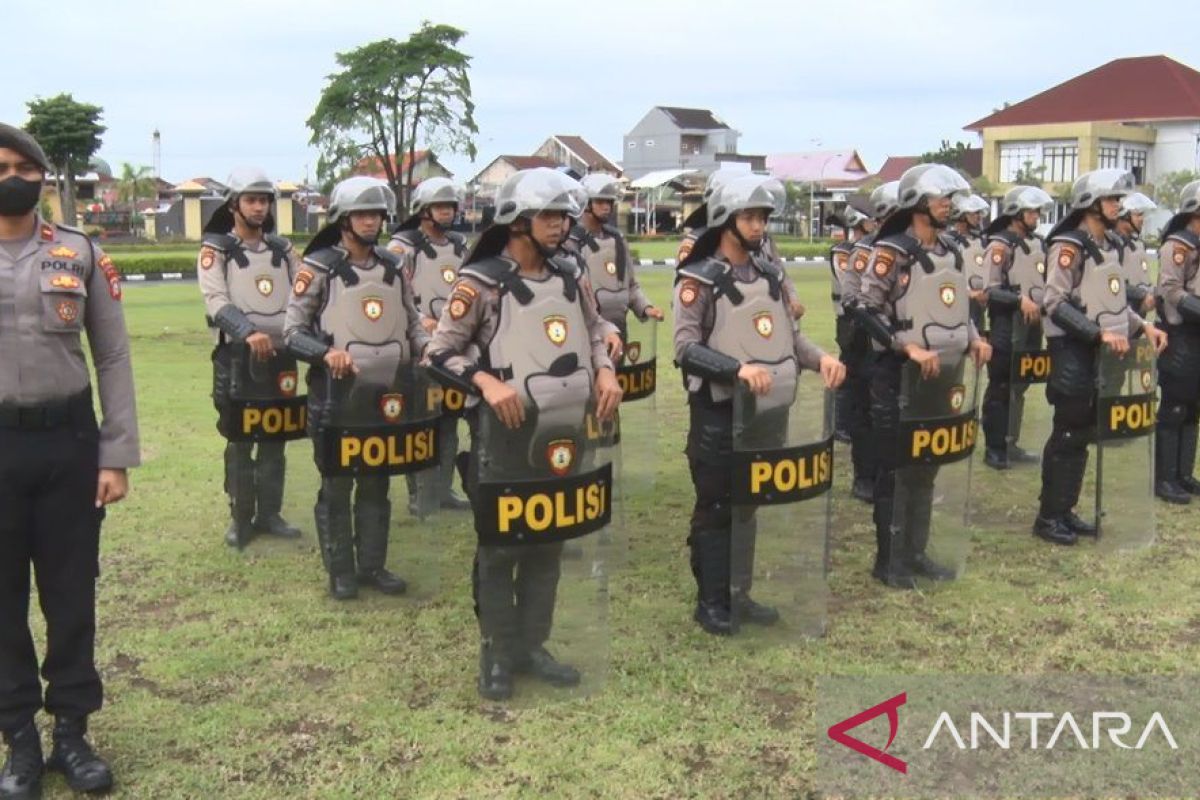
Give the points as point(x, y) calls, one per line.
point(1166, 191)
point(69, 132)
point(134, 184)
point(1029, 175)
point(387, 95)
point(983, 187)
point(952, 155)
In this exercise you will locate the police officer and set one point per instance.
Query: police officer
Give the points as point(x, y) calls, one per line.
point(1139, 286)
point(1179, 365)
point(1016, 282)
point(345, 277)
point(58, 471)
point(696, 224)
point(916, 309)
point(606, 254)
point(724, 291)
point(1081, 315)
point(494, 334)
point(431, 254)
point(966, 229)
point(245, 272)
point(853, 396)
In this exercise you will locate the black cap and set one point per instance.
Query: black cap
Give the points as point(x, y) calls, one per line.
point(26, 145)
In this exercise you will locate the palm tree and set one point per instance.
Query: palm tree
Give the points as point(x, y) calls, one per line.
point(134, 183)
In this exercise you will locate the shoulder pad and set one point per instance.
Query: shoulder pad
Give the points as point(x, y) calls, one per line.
point(222, 242)
point(327, 258)
point(277, 242)
point(951, 242)
point(1185, 238)
point(900, 242)
point(405, 236)
point(567, 265)
point(455, 237)
point(576, 233)
point(489, 271)
point(612, 231)
point(69, 229)
point(1075, 237)
point(707, 271)
point(842, 247)
point(386, 256)
point(1004, 237)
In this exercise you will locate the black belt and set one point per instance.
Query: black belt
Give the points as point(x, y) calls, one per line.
point(48, 415)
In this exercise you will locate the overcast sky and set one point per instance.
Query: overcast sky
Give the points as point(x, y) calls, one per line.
point(230, 83)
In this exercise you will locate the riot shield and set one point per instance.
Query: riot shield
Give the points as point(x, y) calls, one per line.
point(377, 424)
point(1030, 416)
point(1125, 418)
point(938, 429)
point(637, 374)
point(534, 490)
point(262, 417)
point(782, 473)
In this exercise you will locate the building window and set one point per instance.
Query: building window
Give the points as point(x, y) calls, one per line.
point(690, 145)
point(649, 143)
point(1106, 156)
point(1014, 158)
point(1135, 162)
point(631, 144)
point(1061, 162)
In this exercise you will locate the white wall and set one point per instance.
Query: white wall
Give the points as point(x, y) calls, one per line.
point(1175, 148)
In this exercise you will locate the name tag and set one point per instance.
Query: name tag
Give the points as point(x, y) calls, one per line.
point(543, 511)
point(784, 475)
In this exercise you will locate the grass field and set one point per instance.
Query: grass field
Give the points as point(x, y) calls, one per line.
point(233, 675)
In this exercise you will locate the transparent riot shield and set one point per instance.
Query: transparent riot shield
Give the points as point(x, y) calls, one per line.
point(1030, 416)
point(378, 424)
point(262, 418)
point(534, 490)
point(938, 429)
point(1126, 411)
point(637, 374)
point(782, 473)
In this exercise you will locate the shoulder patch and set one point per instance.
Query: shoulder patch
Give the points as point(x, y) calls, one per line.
point(1178, 255)
point(883, 262)
point(303, 279)
point(111, 275)
point(860, 260)
point(207, 257)
point(461, 298)
point(841, 260)
point(999, 251)
point(1066, 256)
point(689, 290)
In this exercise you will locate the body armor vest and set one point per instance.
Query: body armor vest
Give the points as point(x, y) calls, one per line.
point(541, 348)
point(840, 266)
point(364, 313)
point(1191, 285)
point(1101, 289)
point(976, 268)
point(435, 269)
point(607, 270)
point(258, 282)
point(1027, 275)
point(933, 309)
point(1133, 262)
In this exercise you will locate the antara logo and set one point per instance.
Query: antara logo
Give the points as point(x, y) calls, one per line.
point(838, 732)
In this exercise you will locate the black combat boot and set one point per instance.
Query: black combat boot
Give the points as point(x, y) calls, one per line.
point(239, 485)
point(546, 668)
point(1188, 435)
point(712, 603)
point(495, 674)
point(371, 522)
point(917, 530)
point(863, 489)
point(334, 537)
point(744, 608)
point(1053, 530)
point(1166, 467)
point(891, 567)
point(1078, 525)
point(268, 486)
point(21, 778)
point(74, 758)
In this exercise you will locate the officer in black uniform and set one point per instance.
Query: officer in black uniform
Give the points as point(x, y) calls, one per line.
point(1081, 315)
point(245, 271)
point(58, 470)
point(1016, 260)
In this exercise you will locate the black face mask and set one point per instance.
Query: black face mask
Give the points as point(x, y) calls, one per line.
point(18, 196)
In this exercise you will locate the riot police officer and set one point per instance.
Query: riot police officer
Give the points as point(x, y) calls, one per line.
point(1139, 286)
point(431, 254)
point(1179, 366)
point(58, 470)
point(606, 255)
point(916, 308)
point(347, 277)
point(1082, 314)
point(245, 272)
point(853, 396)
point(1016, 260)
point(523, 328)
point(966, 229)
point(727, 296)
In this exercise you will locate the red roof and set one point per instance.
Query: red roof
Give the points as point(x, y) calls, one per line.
point(590, 155)
point(373, 167)
point(1125, 90)
point(531, 162)
point(895, 166)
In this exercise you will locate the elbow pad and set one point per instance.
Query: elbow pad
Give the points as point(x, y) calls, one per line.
point(713, 365)
point(1189, 308)
point(877, 327)
point(1075, 322)
point(307, 347)
point(233, 323)
point(1004, 299)
point(450, 379)
point(1136, 295)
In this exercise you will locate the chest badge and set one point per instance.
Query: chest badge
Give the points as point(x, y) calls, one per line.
point(556, 329)
point(764, 324)
point(1041, 267)
point(1144, 267)
point(949, 293)
point(68, 310)
point(903, 278)
point(979, 259)
point(958, 396)
point(448, 274)
point(560, 454)
point(1114, 284)
point(610, 267)
point(391, 406)
point(287, 382)
point(633, 351)
point(1147, 380)
point(372, 308)
point(265, 285)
